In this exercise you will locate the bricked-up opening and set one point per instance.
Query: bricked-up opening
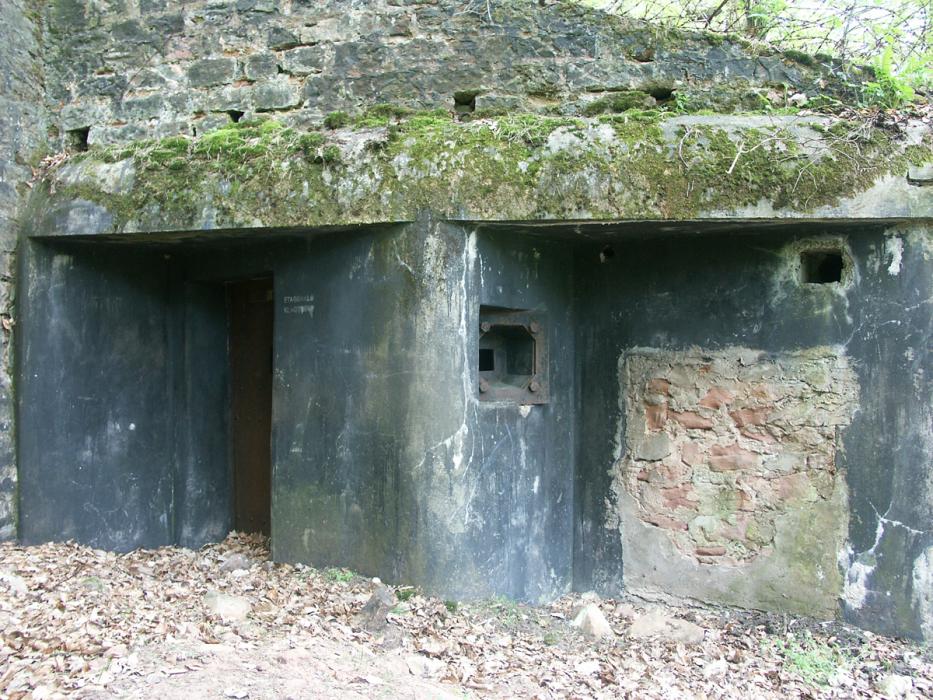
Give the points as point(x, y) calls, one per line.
point(821, 266)
point(77, 138)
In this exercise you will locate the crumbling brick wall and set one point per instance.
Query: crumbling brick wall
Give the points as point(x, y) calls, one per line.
point(723, 448)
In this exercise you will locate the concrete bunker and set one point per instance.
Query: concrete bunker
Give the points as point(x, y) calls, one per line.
point(731, 439)
point(704, 333)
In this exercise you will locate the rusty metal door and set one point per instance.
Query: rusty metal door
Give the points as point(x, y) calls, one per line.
point(250, 321)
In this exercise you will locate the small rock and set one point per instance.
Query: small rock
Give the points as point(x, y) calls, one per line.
point(230, 608)
point(15, 583)
point(391, 637)
point(93, 583)
point(715, 669)
point(893, 685)
point(424, 667)
point(236, 562)
point(657, 624)
point(236, 693)
point(653, 448)
point(372, 617)
point(587, 668)
point(592, 622)
point(626, 611)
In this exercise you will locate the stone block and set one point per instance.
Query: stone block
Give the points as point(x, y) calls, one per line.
point(653, 448)
point(260, 66)
point(106, 135)
point(140, 108)
point(498, 102)
point(229, 98)
point(112, 85)
point(209, 123)
point(332, 29)
point(175, 127)
point(83, 114)
point(212, 71)
point(158, 78)
point(277, 94)
point(302, 61)
point(280, 38)
point(131, 32)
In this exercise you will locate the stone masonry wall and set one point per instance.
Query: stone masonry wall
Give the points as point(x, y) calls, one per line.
point(21, 139)
point(121, 71)
point(730, 460)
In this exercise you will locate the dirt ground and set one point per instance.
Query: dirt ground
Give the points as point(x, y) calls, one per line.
point(224, 622)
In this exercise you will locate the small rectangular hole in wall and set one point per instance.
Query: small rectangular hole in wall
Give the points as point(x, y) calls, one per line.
point(77, 138)
point(487, 360)
point(821, 266)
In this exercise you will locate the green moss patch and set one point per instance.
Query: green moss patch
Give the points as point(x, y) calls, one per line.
point(389, 164)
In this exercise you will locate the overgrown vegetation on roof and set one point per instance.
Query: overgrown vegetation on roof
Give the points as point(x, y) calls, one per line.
point(388, 165)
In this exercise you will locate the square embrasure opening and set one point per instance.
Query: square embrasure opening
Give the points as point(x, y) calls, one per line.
point(512, 362)
point(822, 266)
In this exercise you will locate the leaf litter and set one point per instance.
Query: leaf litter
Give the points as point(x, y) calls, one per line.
point(225, 622)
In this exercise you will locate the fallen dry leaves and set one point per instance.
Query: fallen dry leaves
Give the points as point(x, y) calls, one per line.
point(78, 621)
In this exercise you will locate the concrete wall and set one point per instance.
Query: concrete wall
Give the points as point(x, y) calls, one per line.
point(766, 443)
point(386, 459)
point(22, 134)
point(123, 392)
point(95, 406)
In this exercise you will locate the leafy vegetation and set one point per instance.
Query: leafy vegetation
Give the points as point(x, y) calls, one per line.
point(815, 661)
point(891, 36)
point(339, 575)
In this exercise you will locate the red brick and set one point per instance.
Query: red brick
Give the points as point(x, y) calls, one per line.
point(751, 416)
point(759, 435)
point(716, 397)
point(655, 416)
point(689, 419)
point(710, 551)
point(692, 454)
point(658, 386)
point(672, 473)
point(730, 457)
point(679, 497)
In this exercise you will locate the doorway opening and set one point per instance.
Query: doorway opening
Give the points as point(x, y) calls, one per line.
point(250, 318)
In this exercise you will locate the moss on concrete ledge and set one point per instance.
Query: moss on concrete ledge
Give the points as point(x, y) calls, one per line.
point(392, 165)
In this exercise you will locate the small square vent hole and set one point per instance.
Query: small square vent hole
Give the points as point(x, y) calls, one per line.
point(821, 266)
